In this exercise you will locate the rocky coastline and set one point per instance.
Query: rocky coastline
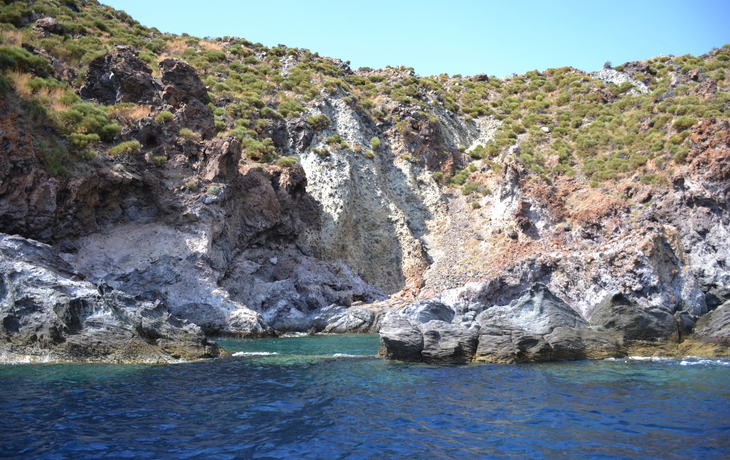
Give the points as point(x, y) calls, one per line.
point(437, 228)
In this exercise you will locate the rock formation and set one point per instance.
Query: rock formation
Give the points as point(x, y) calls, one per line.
point(248, 190)
point(48, 313)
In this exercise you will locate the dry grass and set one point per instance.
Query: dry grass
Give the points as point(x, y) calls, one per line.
point(12, 38)
point(128, 114)
point(208, 45)
point(175, 48)
point(19, 81)
point(50, 96)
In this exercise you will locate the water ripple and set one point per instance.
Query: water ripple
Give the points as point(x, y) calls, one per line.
point(316, 406)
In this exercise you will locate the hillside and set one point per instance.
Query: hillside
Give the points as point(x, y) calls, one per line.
point(252, 189)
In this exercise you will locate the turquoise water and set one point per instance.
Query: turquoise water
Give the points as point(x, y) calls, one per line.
point(329, 397)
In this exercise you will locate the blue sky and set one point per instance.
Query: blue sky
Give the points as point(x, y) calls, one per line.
point(457, 37)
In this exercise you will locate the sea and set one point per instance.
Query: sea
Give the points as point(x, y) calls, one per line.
point(331, 397)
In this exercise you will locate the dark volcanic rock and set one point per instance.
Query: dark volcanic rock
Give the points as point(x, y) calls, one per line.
point(300, 133)
point(423, 332)
point(711, 336)
point(46, 312)
point(181, 83)
point(194, 115)
point(536, 327)
point(120, 76)
point(629, 322)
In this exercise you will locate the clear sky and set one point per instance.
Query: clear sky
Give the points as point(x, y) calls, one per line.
point(455, 37)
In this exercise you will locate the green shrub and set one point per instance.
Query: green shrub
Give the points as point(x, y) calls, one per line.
point(318, 122)
point(13, 57)
point(90, 119)
point(287, 162)
point(159, 160)
point(164, 117)
point(81, 141)
point(655, 179)
point(470, 187)
point(369, 154)
point(189, 135)
point(336, 139)
point(69, 98)
point(191, 185)
point(475, 204)
point(259, 150)
point(478, 152)
point(375, 143)
point(130, 147)
point(683, 123)
point(290, 107)
point(4, 85)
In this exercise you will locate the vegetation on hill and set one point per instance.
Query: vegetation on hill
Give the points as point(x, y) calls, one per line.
point(563, 121)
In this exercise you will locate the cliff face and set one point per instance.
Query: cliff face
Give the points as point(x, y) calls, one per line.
point(462, 191)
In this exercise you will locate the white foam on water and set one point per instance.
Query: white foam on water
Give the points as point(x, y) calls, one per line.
point(254, 353)
point(344, 355)
point(695, 360)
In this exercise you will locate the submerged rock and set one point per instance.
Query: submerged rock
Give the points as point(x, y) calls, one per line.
point(47, 312)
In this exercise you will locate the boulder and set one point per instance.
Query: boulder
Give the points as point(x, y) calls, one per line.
point(423, 332)
point(181, 83)
point(538, 326)
point(711, 336)
point(46, 26)
point(48, 312)
point(120, 76)
point(628, 322)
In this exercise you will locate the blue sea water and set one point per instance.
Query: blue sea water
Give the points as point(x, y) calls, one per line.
point(329, 397)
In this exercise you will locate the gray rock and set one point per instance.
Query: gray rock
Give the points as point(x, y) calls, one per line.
point(616, 77)
point(445, 342)
point(423, 332)
point(538, 326)
point(47, 313)
point(629, 322)
point(428, 310)
point(714, 327)
point(399, 339)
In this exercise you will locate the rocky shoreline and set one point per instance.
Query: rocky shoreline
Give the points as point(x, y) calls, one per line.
point(538, 326)
point(532, 226)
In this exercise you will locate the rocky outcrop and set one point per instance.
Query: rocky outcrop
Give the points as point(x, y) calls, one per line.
point(711, 336)
point(613, 76)
point(630, 323)
point(48, 313)
point(47, 26)
point(120, 76)
point(535, 327)
point(538, 326)
point(181, 83)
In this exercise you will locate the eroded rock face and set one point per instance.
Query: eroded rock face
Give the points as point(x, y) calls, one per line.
point(537, 326)
point(629, 323)
point(181, 83)
point(47, 312)
point(120, 76)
